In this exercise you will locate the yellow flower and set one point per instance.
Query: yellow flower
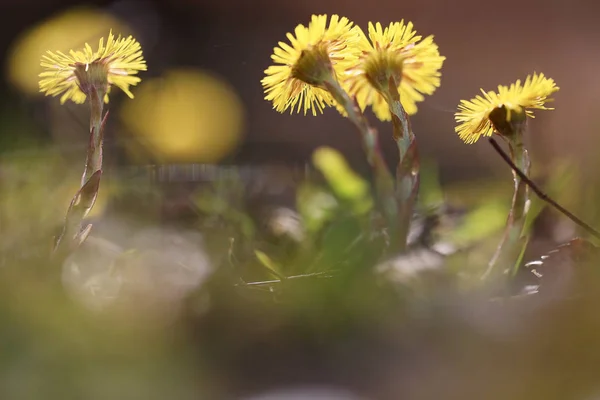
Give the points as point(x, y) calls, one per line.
point(394, 52)
point(73, 75)
point(315, 53)
point(473, 116)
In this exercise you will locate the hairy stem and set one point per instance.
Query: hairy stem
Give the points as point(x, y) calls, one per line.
point(510, 248)
point(407, 171)
point(384, 182)
point(93, 161)
point(541, 194)
point(73, 232)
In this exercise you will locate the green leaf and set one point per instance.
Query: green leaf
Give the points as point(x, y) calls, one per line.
point(268, 263)
point(345, 183)
point(480, 223)
point(315, 205)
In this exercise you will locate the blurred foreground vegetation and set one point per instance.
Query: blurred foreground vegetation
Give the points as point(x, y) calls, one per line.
point(245, 280)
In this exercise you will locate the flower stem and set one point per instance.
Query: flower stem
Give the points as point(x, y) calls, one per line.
point(384, 182)
point(535, 188)
point(407, 171)
point(73, 232)
point(511, 246)
point(93, 161)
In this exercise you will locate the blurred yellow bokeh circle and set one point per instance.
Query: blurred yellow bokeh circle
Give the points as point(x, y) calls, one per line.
point(64, 31)
point(186, 116)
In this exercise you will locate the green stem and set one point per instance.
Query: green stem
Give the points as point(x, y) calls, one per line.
point(384, 182)
point(407, 171)
point(511, 246)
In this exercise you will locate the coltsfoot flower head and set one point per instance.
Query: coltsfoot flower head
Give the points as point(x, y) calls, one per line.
point(315, 53)
point(398, 54)
point(76, 74)
point(480, 116)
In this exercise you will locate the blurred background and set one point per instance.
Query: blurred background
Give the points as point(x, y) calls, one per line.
point(201, 102)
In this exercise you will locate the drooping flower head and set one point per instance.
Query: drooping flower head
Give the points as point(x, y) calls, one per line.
point(315, 54)
point(397, 53)
point(475, 117)
point(74, 75)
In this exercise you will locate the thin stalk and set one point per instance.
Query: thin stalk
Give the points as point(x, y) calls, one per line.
point(511, 245)
point(93, 160)
point(326, 274)
point(407, 171)
point(384, 182)
point(540, 193)
point(73, 232)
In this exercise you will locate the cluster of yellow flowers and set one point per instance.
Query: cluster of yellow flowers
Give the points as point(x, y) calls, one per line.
point(359, 62)
point(329, 63)
point(365, 65)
